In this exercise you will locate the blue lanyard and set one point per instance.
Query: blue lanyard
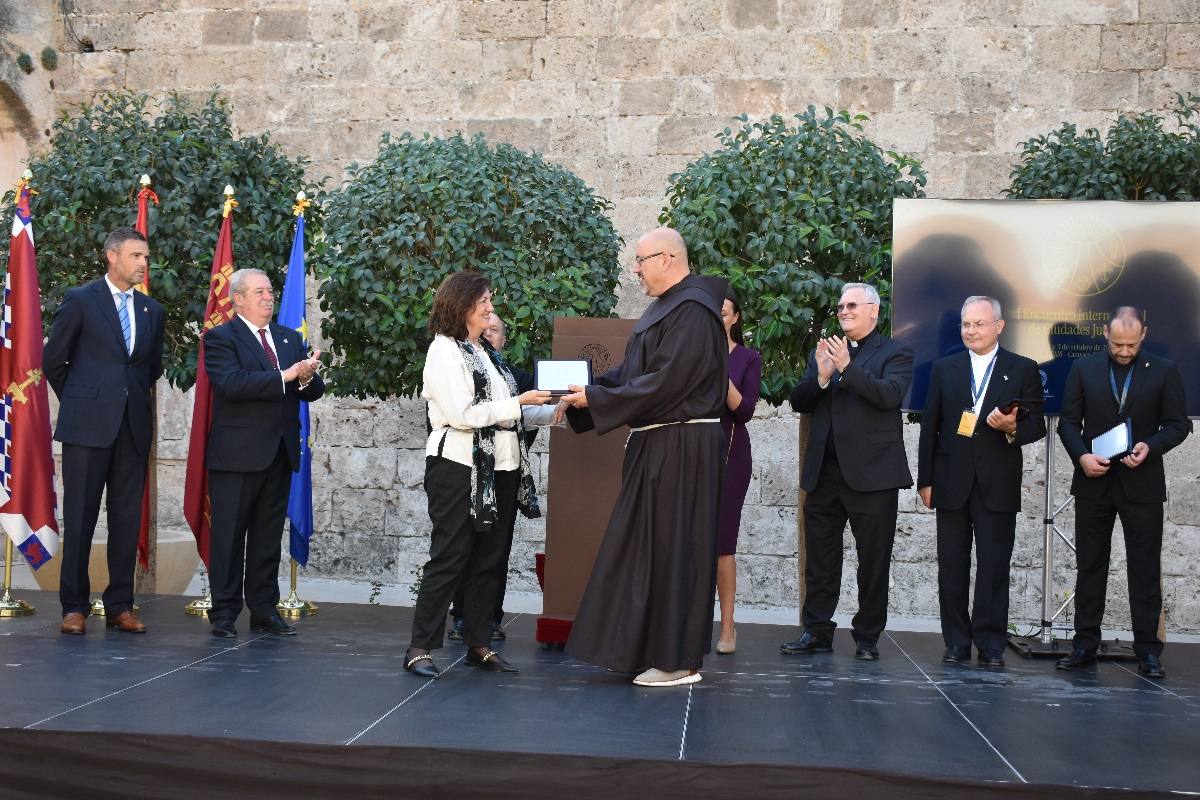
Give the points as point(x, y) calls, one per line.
point(1112, 380)
point(987, 375)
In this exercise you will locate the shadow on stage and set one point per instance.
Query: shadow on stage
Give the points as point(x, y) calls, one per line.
point(330, 714)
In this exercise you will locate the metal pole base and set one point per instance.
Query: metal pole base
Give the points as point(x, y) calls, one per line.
point(1034, 647)
point(294, 608)
point(98, 607)
point(199, 608)
point(13, 608)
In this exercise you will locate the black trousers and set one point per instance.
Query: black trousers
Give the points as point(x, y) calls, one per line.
point(994, 533)
point(248, 509)
point(458, 553)
point(456, 608)
point(1143, 527)
point(872, 518)
point(87, 473)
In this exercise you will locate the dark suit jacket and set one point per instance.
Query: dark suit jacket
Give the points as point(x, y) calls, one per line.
point(1156, 405)
point(861, 410)
point(951, 463)
point(251, 411)
point(94, 376)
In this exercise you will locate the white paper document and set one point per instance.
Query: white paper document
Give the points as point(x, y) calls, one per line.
point(556, 375)
point(1115, 442)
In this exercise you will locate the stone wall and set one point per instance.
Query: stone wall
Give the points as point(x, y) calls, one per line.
point(625, 92)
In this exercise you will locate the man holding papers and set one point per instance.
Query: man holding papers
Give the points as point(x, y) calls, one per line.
point(981, 409)
point(1120, 387)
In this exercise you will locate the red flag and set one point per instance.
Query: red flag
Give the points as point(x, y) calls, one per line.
point(196, 506)
point(27, 501)
point(142, 226)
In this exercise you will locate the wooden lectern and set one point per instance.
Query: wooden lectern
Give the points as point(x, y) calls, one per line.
point(585, 476)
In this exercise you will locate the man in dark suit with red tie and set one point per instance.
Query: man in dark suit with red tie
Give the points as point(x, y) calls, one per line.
point(259, 374)
point(102, 359)
point(1121, 384)
point(854, 467)
point(969, 469)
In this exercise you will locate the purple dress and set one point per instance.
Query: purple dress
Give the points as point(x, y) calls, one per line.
point(745, 370)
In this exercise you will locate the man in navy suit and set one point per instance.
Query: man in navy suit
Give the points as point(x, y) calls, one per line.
point(1122, 383)
point(102, 359)
point(259, 374)
point(854, 467)
point(969, 469)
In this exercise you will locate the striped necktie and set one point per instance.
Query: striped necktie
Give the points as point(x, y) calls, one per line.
point(123, 314)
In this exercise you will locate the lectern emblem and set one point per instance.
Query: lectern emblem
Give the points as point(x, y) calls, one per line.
point(599, 356)
point(1084, 256)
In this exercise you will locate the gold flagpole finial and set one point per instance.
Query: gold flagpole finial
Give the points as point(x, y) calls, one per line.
point(27, 175)
point(230, 203)
point(301, 203)
point(26, 182)
point(145, 181)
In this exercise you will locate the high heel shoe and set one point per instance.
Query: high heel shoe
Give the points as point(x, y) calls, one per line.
point(725, 647)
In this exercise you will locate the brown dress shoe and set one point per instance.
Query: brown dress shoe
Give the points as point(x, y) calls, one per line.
point(127, 622)
point(74, 623)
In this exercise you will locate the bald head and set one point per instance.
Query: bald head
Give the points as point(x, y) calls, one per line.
point(660, 260)
point(1125, 332)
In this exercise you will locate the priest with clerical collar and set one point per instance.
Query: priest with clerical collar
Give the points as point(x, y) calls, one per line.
point(981, 408)
point(854, 467)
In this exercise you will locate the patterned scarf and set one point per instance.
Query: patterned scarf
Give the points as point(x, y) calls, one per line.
point(483, 456)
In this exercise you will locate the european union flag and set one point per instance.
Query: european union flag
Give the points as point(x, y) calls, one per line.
point(292, 314)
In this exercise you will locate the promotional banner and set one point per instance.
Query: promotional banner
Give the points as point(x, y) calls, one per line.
point(1058, 268)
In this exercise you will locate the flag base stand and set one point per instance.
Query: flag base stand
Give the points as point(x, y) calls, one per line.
point(98, 607)
point(293, 607)
point(10, 607)
point(199, 608)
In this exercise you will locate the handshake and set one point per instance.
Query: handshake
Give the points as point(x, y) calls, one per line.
point(303, 370)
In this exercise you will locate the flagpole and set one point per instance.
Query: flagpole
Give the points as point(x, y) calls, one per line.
point(19, 608)
point(201, 607)
point(293, 607)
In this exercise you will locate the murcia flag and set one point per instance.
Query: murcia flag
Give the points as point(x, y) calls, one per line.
point(27, 500)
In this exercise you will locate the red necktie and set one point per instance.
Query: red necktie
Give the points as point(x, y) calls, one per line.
point(262, 335)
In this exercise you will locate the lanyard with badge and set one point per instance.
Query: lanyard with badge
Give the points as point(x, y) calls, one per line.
point(970, 417)
point(1124, 395)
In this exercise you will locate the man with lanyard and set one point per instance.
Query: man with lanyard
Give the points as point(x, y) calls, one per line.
point(969, 469)
point(1122, 386)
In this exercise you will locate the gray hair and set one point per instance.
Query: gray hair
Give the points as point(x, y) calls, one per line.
point(870, 291)
point(237, 281)
point(982, 298)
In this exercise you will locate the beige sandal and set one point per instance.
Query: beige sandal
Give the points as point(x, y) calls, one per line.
point(725, 647)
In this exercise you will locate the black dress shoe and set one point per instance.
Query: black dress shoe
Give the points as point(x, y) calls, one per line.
point(807, 644)
point(498, 634)
point(1078, 658)
point(991, 658)
point(866, 651)
point(223, 629)
point(957, 654)
point(1151, 667)
point(489, 662)
point(422, 666)
point(273, 624)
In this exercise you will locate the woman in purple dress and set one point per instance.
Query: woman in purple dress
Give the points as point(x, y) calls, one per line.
point(745, 372)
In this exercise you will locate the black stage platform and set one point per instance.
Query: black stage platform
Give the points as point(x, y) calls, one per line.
point(331, 713)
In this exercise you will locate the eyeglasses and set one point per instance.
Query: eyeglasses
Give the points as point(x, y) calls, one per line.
point(642, 259)
point(851, 306)
point(977, 326)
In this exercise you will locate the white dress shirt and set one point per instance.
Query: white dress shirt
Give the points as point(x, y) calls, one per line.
point(454, 415)
point(979, 365)
point(129, 306)
point(254, 329)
